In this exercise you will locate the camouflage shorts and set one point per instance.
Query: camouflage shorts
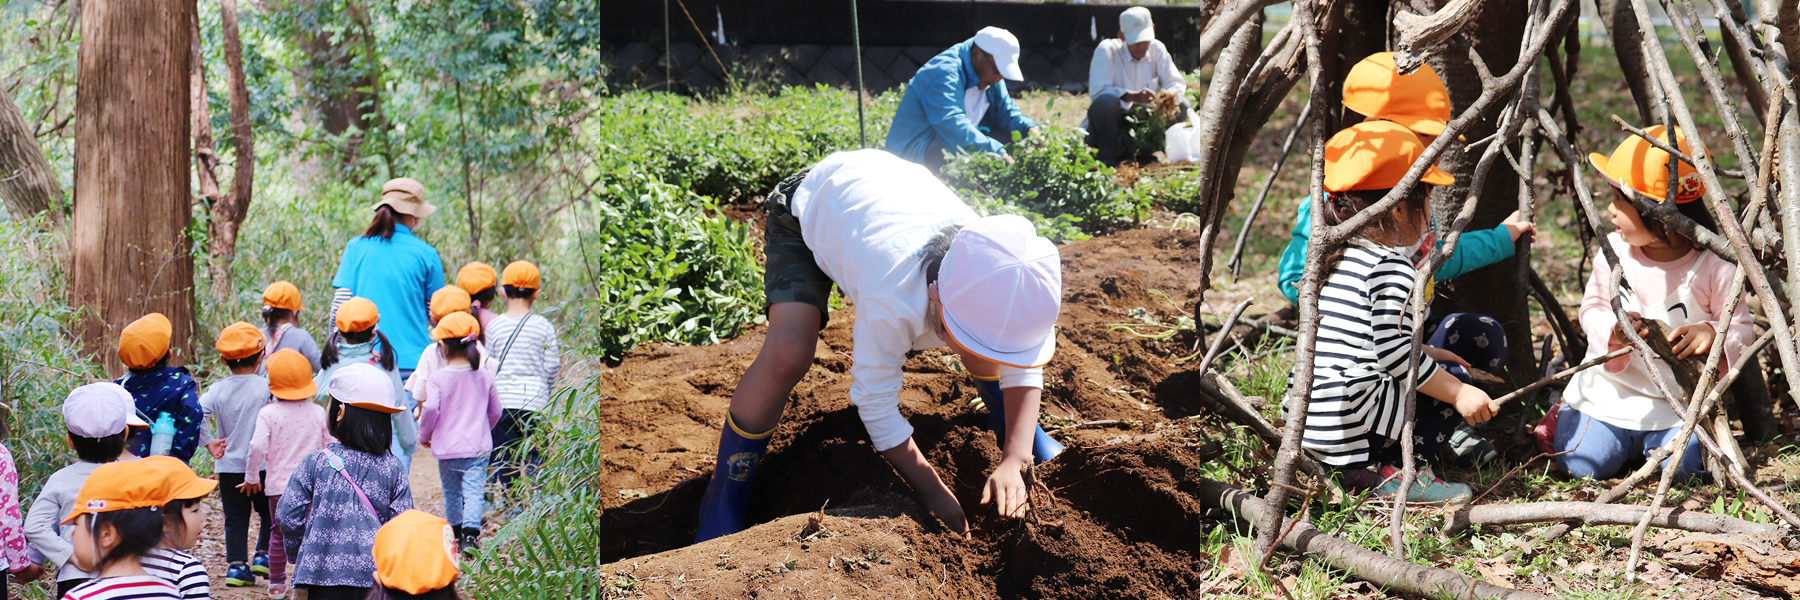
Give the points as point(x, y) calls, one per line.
point(790, 274)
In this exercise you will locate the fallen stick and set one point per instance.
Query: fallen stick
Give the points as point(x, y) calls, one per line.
point(1592, 513)
point(1374, 567)
point(1224, 334)
point(1561, 375)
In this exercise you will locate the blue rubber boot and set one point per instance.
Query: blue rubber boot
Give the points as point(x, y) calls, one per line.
point(728, 494)
point(1042, 447)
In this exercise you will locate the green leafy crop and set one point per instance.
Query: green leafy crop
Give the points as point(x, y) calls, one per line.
point(1056, 179)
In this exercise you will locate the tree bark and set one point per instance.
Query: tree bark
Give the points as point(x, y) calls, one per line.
point(1628, 45)
point(129, 249)
point(1592, 513)
point(228, 213)
point(27, 185)
point(342, 90)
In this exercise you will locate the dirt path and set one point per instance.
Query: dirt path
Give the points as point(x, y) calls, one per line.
point(428, 496)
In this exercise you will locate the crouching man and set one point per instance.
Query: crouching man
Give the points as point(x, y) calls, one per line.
point(1125, 75)
point(923, 272)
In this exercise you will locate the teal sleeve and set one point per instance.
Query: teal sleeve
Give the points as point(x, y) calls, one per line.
point(1293, 258)
point(1475, 250)
point(1016, 120)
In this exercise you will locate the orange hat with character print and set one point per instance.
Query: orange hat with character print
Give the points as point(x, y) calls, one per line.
point(129, 484)
point(1638, 165)
point(1375, 155)
point(282, 295)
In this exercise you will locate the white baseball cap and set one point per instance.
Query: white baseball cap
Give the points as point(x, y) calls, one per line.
point(361, 384)
point(1001, 288)
point(98, 410)
point(1135, 24)
point(1005, 48)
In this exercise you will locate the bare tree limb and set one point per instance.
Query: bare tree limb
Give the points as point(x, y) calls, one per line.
point(1216, 127)
point(1237, 253)
point(1418, 34)
point(1561, 375)
point(1592, 514)
point(1225, 24)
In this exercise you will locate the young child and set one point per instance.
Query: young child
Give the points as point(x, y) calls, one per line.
point(459, 410)
point(233, 403)
point(183, 516)
point(159, 389)
point(446, 301)
point(117, 519)
point(478, 280)
point(281, 320)
point(527, 359)
point(341, 495)
point(358, 341)
point(1615, 412)
point(285, 432)
point(12, 527)
point(1354, 419)
point(414, 559)
point(97, 416)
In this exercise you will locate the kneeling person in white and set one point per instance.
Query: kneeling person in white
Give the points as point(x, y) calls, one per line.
point(923, 272)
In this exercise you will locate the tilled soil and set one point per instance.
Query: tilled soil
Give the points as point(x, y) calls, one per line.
point(1120, 522)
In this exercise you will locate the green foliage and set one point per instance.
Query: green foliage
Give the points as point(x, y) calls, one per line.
point(39, 360)
point(1055, 176)
point(664, 270)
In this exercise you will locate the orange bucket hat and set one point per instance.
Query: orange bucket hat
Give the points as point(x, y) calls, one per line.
point(475, 277)
point(357, 314)
point(412, 553)
point(239, 340)
point(282, 295)
point(1375, 155)
point(145, 341)
point(521, 274)
point(1637, 165)
point(291, 376)
point(1419, 101)
point(448, 300)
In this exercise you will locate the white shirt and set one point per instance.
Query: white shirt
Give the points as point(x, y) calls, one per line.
point(866, 215)
point(1114, 70)
point(525, 372)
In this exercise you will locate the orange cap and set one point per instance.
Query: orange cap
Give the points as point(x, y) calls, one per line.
point(447, 300)
point(475, 277)
point(520, 274)
point(460, 325)
point(1637, 165)
point(145, 341)
point(283, 295)
point(291, 376)
point(1375, 155)
point(179, 481)
point(357, 314)
point(239, 340)
point(1419, 101)
point(413, 553)
point(121, 485)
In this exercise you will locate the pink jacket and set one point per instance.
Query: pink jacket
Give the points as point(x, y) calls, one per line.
point(286, 432)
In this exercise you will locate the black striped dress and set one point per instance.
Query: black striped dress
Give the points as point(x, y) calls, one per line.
point(1359, 373)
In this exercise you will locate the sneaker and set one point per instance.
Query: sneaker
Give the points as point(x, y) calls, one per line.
point(259, 564)
point(468, 540)
point(1357, 480)
point(1426, 488)
point(278, 591)
point(1469, 448)
point(239, 575)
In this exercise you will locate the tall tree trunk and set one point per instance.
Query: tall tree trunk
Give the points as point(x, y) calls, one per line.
point(342, 89)
point(27, 185)
point(1628, 44)
point(229, 212)
point(130, 250)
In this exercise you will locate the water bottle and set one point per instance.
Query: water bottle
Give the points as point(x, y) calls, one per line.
point(162, 434)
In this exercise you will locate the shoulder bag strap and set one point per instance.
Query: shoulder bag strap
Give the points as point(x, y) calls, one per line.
point(507, 351)
point(337, 464)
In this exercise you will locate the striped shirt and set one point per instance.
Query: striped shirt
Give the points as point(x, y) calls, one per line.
point(181, 570)
point(1359, 373)
point(133, 587)
point(529, 358)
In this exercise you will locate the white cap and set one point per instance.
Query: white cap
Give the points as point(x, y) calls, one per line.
point(361, 384)
point(1005, 48)
point(1001, 287)
point(1135, 24)
point(98, 410)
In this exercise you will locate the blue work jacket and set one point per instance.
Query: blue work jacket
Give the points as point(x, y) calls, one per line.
point(932, 108)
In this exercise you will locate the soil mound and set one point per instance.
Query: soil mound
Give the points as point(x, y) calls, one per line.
point(1118, 522)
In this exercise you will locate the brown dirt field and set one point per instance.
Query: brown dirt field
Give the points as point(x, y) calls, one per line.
point(1121, 524)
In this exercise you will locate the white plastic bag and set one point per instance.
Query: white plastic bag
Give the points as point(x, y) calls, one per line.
point(1182, 143)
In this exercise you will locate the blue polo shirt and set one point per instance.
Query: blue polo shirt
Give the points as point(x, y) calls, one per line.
point(399, 275)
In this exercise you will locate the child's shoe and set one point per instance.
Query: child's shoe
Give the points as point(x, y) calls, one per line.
point(278, 591)
point(468, 540)
point(239, 575)
point(259, 564)
point(1470, 449)
point(1426, 488)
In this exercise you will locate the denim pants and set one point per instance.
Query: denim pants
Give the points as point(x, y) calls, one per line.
point(464, 481)
point(1600, 448)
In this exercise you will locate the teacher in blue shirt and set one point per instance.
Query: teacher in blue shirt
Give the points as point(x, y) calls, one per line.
point(958, 102)
point(398, 272)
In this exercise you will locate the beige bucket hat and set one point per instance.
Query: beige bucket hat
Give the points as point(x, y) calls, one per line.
point(406, 196)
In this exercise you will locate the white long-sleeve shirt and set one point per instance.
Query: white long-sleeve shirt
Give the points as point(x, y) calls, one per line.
point(866, 215)
point(1113, 70)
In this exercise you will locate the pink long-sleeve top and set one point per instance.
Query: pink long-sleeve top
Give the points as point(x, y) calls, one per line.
point(286, 432)
point(460, 409)
point(12, 522)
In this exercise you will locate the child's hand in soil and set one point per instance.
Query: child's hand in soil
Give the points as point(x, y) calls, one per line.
point(1006, 489)
point(216, 448)
point(1694, 338)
